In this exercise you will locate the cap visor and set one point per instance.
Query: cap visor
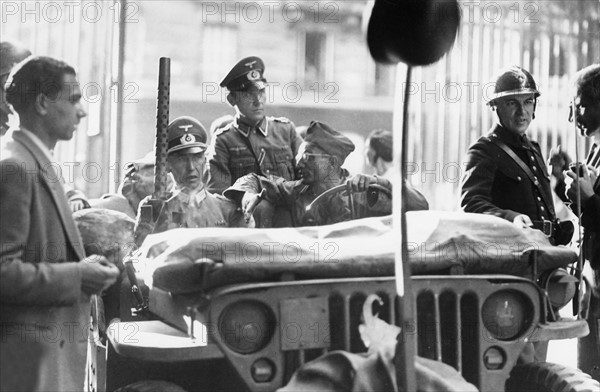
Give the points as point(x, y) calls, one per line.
point(190, 148)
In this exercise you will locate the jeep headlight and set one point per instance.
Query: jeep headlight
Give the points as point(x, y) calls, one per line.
point(246, 326)
point(507, 314)
point(560, 286)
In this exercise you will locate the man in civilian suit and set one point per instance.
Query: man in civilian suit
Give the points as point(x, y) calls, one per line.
point(45, 280)
point(587, 118)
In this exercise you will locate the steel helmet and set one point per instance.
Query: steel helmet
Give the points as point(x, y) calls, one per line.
point(513, 81)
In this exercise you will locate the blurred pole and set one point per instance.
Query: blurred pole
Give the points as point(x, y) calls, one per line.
point(405, 347)
point(117, 97)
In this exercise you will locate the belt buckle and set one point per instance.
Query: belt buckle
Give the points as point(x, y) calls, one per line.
point(547, 227)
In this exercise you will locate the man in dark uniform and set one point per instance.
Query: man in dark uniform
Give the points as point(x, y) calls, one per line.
point(252, 143)
point(11, 53)
point(189, 203)
point(587, 117)
point(506, 174)
point(320, 159)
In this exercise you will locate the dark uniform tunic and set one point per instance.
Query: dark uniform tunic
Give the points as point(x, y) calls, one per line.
point(296, 196)
point(274, 144)
point(495, 184)
point(203, 209)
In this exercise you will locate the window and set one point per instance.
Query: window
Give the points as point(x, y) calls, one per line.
point(315, 60)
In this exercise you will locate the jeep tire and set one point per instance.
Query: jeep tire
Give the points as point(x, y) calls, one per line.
point(549, 377)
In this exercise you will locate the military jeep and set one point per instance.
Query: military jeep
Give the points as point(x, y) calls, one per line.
point(242, 309)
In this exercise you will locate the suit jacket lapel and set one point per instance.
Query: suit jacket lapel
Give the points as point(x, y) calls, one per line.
point(53, 183)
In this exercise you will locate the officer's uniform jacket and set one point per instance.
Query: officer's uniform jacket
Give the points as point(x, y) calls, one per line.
point(495, 184)
point(296, 196)
point(203, 209)
point(274, 146)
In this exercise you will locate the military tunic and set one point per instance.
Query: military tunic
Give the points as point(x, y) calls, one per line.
point(495, 184)
point(296, 196)
point(202, 209)
point(274, 145)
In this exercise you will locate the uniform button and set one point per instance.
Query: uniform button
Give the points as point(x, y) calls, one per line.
point(539, 198)
point(518, 178)
point(542, 209)
point(532, 158)
point(534, 168)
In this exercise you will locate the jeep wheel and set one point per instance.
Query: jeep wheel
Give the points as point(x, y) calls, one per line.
point(549, 377)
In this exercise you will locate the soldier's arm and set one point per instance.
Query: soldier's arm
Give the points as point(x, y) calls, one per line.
point(477, 183)
point(145, 225)
point(274, 190)
point(219, 176)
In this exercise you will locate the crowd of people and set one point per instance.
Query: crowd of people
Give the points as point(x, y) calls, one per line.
point(256, 171)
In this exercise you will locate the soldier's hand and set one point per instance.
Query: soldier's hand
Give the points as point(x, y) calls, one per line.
point(360, 182)
point(249, 203)
point(97, 274)
point(522, 221)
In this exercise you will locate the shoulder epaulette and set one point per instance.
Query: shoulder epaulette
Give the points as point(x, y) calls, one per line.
point(223, 129)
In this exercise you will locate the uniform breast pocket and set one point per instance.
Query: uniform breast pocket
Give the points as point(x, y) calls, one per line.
point(281, 164)
point(511, 176)
point(240, 166)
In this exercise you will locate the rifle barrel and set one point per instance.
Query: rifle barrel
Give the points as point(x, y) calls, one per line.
point(162, 123)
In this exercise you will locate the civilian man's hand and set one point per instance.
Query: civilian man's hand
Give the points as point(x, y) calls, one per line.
point(77, 204)
point(586, 183)
point(97, 274)
point(522, 221)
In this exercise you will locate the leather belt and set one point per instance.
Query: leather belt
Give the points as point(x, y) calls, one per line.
point(546, 226)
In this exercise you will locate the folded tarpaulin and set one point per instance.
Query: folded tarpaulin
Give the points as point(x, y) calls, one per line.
point(187, 260)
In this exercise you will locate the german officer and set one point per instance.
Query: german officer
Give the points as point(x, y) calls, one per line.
point(189, 204)
point(252, 143)
point(506, 174)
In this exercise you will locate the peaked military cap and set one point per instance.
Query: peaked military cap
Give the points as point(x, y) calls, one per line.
point(246, 73)
point(325, 138)
point(186, 132)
